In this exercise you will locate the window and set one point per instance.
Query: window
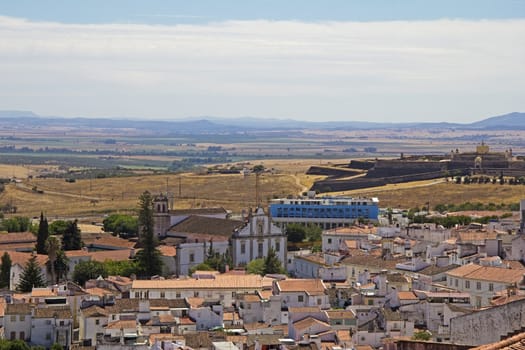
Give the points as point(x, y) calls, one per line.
point(22, 318)
point(370, 301)
point(196, 294)
point(97, 322)
point(491, 287)
point(61, 323)
point(456, 282)
point(48, 336)
point(478, 285)
point(177, 295)
point(319, 301)
point(277, 246)
point(22, 336)
point(192, 257)
point(162, 294)
point(243, 248)
point(260, 250)
point(329, 241)
point(13, 318)
point(137, 295)
point(300, 298)
point(467, 284)
point(12, 336)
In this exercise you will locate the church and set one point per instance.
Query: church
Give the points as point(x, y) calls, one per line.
point(193, 231)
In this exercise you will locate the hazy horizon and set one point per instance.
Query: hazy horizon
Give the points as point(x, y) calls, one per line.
point(330, 61)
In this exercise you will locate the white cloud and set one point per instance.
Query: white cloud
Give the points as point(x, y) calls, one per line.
point(428, 70)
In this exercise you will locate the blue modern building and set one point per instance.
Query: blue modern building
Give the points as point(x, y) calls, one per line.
point(327, 212)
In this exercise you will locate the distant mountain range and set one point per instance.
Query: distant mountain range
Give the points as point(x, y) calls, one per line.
point(215, 125)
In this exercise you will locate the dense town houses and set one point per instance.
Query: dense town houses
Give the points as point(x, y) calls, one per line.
point(368, 285)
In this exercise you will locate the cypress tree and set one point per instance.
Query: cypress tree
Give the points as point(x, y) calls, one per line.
point(148, 259)
point(71, 239)
point(5, 271)
point(31, 277)
point(272, 264)
point(42, 235)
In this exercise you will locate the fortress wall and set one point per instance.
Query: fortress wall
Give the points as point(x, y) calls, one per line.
point(362, 165)
point(332, 172)
point(364, 182)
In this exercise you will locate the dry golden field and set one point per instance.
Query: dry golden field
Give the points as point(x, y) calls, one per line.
point(96, 197)
point(417, 194)
point(91, 199)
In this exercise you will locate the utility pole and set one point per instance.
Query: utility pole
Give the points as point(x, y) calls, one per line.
point(257, 189)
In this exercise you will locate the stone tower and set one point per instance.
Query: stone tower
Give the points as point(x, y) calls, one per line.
point(161, 215)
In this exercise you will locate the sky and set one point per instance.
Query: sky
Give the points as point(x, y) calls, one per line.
point(331, 60)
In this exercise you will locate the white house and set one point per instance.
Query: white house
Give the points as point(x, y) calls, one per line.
point(482, 282)
point(52, 324)
point(302, 293)
point(18, 263)
point(213, 286)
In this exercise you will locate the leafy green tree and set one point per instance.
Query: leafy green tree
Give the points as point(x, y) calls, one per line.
point(71, 239)
point(5, 271)
point(42, 235)
point(313, 233)
point(31, 277)
point(201, 267)
point(13, 345)
point(86, 270)
point(16, 224)
point(120, 268)
point(56, 346)
point(296, 233)
point(272, 264)
point(422, 335)
point(58, 227)
point(256, 266)
point(122, 225)
point(148, 259)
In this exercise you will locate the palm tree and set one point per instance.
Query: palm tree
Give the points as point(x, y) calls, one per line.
point(52, 247)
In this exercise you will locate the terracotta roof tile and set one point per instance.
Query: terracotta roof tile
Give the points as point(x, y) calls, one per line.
point(115, 255)
point(516, 342)
point(122, 324)
point(18, 309)
point(95, 311)
point(353, 230)
point(16, 237)
point(108, 241)
point(487, 273)
point(407, 296)
point(340, 314)
point(167, 250)
point(206, 225)
point(53, 312)
point(309, 322)
point(310, 286)
point(251, 282)
point(21, 258)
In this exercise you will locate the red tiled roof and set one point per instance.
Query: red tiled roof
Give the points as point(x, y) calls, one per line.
point(310, 286)
point(487, 273)
point(21, 258)
point(16, 237)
